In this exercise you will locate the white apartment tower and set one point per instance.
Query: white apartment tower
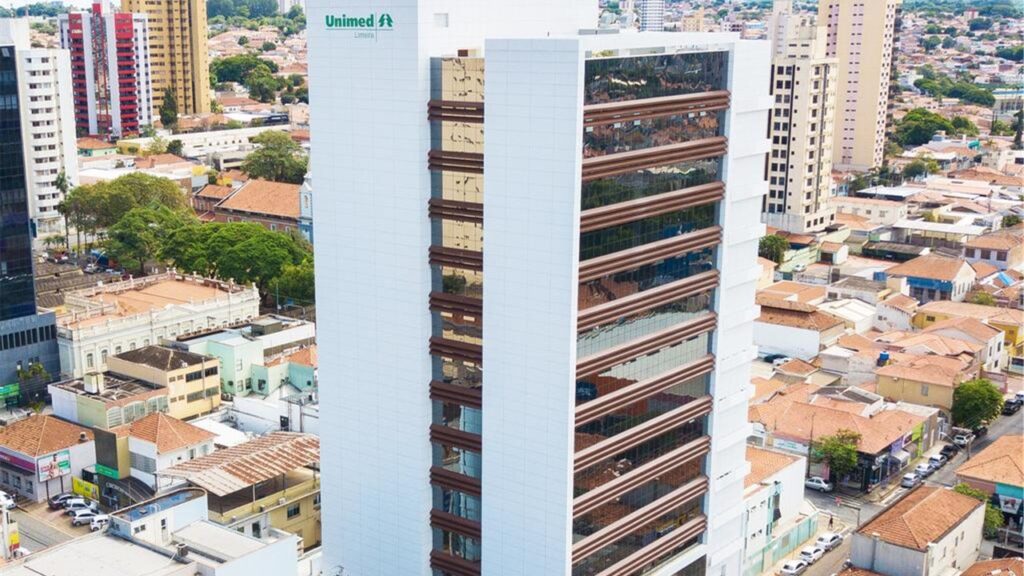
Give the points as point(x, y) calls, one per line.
point(803, 87)
point(860, 35)
point(652, 15)
point(565, 394)
point(48, 125)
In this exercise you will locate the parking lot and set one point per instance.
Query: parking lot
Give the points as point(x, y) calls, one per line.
point(41, 527)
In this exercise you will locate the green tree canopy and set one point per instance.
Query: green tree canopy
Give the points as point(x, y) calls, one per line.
point(976, 402)
point(175, 147)
point(839, 451)
point(1015, 53)
point(773, 248)
point(236, 68)
point(920, 167)
point(1011, 220)
point(931, 43)
point(137, 238)
point(278, 158)
point(993, 516)
point(295, 283)
point(101, 205)
point(918, 127)
point(169, 109)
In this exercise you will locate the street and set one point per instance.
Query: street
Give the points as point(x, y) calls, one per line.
point(37, 534)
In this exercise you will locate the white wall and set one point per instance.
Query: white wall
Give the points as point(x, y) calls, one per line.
point(950, 555)
point(890, 318)
point(793, 342)
point(757, 508)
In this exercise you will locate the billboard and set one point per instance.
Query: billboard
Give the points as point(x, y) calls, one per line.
point(54, 466)
point(85, 489)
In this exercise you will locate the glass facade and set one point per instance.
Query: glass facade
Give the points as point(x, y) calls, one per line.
point(457, 416)
point(631, 135)
point(631, 327)
point(458, 327)
point(648, 182)
point(458, 234)
point(639, 232)
point(641, 77)
point(457, 503)
point(455, 459)
point(457, 545)
point(17, 288)
point(641, 411)
point(621, 284)
point(460, 186)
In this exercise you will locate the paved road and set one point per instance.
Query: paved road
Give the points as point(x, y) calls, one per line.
point(36, 534)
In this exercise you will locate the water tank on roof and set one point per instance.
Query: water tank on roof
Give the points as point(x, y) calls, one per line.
point(883, 358)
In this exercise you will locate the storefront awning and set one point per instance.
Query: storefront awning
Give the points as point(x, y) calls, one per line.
point(900, 457)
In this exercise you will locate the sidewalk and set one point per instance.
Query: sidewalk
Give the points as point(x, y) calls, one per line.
point(838, 526)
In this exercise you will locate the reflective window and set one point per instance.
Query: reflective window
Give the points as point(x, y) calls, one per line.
point(458, 281)
point(457, 460)
point(458, 327)
point(629, 328)
point(457, 136)
point(649, 133)
point(641, 411)
point(457, 503)
point(622, 284)
point(457, 545)
point(457, 234)
point(459, 186)
point(459, 372)
point(648, 182)
point(638, 77)
point(640, 232)
point(457, 416)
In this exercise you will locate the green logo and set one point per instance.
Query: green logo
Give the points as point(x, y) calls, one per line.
point(368, 23)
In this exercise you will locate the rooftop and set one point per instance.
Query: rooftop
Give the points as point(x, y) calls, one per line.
point(265, 197)
point(1007, 239)
point(859, 283)
point(164, 358)
point(970, 326)
point(794, 291)
point(1001, 461)
point(997, 567)
point(117, 389)
point(989, 313)
point(930, 266)
point(922, 516)
point(795, 315)
point(159, 504)
point(166, 432)
point(96, 553)
point(901, 302)
point(764, 464)
point(42, 435)
point(930, 369)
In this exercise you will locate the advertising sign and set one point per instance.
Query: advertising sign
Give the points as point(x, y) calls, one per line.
point(54, 466)
point(107, 471)
point(86, 489)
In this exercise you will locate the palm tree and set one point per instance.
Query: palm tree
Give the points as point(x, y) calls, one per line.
point(63, 185)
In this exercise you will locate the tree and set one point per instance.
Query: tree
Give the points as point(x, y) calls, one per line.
point(918, 127)
point(993, 516)
point(1018, 130)
point(920, 167)
point(62, 184)
point(243, 40)
point(964, 126)
point(236, 68)
point(772, 247)
point(261, 85)
point(1001, 128)
point(267, 46)
point(279, 158)
point(976, 402)
point(175, 147)
point(976, 24)
point(138, 236)
point(295, 283)
point(169, 109)
point(839, 451)
point(1011, 220)
point(98, 206)
point(983, 298)
point(948, 43)
point(931, 43)
point(157, 145)
point(1015, 53)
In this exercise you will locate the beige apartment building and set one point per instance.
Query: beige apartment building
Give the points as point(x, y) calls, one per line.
point(192, 380)
point(860, 35)
point(179, 57)
point(804, 90)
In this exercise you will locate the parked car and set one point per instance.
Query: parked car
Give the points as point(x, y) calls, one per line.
point(963, 439)
point(937, 461)
point(818, 483)
point(773, 357)
point(793, 568)
point(923, 470)
point(828, 541)
point(799, 268)
point(780, 361)
point(812, 554)
point(83, 516)
point(980, 431)
point(7, 501)
point(76, 504)
point(57, 502)
point(99, 522)
point(910, 480)
point(1020, 397)
point(1011, 407)
point(950, 450)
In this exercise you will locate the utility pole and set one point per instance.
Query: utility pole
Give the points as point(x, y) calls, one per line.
point(7, 533)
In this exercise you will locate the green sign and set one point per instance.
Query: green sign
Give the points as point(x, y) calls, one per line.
point(108, 472)
point(10, 390)
point(364, 26)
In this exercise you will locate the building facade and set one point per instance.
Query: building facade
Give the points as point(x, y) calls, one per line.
point(178, 54)
point(861, 37)
point(192, 380)
point(652, 15)
point(110, 68)
point(631, 225)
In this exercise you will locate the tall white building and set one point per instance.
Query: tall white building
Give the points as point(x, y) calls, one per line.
point(652, 15)
point(567, 394)
point(48, 125)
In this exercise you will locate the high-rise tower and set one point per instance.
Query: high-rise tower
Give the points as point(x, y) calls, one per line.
point(652, 15)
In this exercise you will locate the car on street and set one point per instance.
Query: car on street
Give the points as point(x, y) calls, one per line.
point(828, 541)
point(57, 502)
point(83, 516)
point(1019, 396)
point(793, 568)
point(799, 268)
point(818, 483)
point(950, 450)
point(812, 554)
point(980, 431)
point(1011, 407)
point(7, 501)
point(910, 480)
point(963, 439)
point(771, 358)
point(99, 522)
point(923, 470)
point(937, 461)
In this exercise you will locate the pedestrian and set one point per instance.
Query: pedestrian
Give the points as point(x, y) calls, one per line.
point(831, 521)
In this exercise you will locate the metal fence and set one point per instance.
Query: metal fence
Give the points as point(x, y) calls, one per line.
point(781, 546)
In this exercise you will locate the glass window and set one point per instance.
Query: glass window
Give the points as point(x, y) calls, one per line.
point(648, 133)
point(460, 186)
point(459, 327)
point(459, 372)
point(622, 284)
point(629, 328)
point(456, 234)
point(640, 232)
point(457, 460)
point(638, 77)
point(457, 503)
point(641, 411)
point(648, 182)
point(457, 545)
point(457, 416)
point(294, 510)
point(458, 281)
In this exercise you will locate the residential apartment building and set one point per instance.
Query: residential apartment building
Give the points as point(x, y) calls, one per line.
point(803, 86)
point(110, 69)
point(192, 380)
point(26, 337)
point(652, 15)
point(861, 36)
point(47, 126)
point(537, 464)
point(179, 58)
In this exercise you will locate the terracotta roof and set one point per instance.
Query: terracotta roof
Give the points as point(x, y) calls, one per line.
point(764, 388)
point(305, 356)
point(765, 463)
point(990, 313)
point(94, 144)
point(997, 567)
point(987, 175)
point(215, 191)
point(164, 358)
point(1007, 239)
point(797, 419)
point(1001, 461)
point(794, 291)
point(854, 221)
point(929, 266)
point(235, 175)
point(901, 302)
point(239, 467)
point(929, 369)
point(795, 315)
point(971, 326)
point(929, 343)
point(265, 197)
point(158, 160)
point(40, 435)
point(983, 269)
point(797, 367)
point(831, 247)
point(166, 432)
point(923, 516)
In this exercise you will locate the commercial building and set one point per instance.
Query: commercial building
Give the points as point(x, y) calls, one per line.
point(39, 456)
point(192, 380)
point(158, 442)
point(110, 68)
point(607, 432)
point(803, 85)
point(179, 58)
point(106, 400)
point(26, 337)
point(652, 15)
point(861, 36)
point(998, 471)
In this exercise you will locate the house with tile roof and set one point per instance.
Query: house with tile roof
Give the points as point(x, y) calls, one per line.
point(895, 313)
point(996, 567)
point(273, 205)
point(933, 277)
point(39, 456)
point(158, 442)
point(927, 380)
point(998, 470)
point(930, 530)
point(773, 497)
point(990, 339)
point(1003, 249)
point(1009, 320)
point(796, 329)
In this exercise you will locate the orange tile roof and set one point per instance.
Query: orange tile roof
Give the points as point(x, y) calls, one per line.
point(983, 269)
point(764, 388)
point(1001, 461)
point(1007, 239)
point(929, 369)
point(795, 315)
point(265, 197)
point(787, 289)
point(923, 516)
point(989, 313)
point(235, 175)
point(854, 221)
point(765, 463)
point(929, 266)
point(40, 435)
point(997, 567)
point(306, 356)
point(215, 191)
point(94, 144)
point(797, 367)
point(901, 302)
point(166, 432)
point(970, 326)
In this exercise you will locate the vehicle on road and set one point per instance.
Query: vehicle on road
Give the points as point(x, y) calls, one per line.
point(780, 361)
point(7, 501)
point(937, 461)
point(980, 431)
point(772, 358)
point(910, 480)
point(799, 268)
point(963, 439)
point(950, 450)
point(83, 516)
point(812, 554)
point(1011, 407)
point(1019, 396)
point(76, 504)
point(99, 522)
point(57, 502)
point(923, 470)
point(818, 483)
point(793, 568)
point(828, 541)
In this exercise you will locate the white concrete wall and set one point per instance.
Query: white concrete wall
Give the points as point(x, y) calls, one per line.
point(889, 318)
point(757, 508)
point(274, 558)
point(952, 554)
point(793, 342)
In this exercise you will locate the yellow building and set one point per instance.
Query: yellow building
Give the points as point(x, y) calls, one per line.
point(860, 35)
point(192, 380)
point(1009, 320)
point(925, 380)
point(179, 57)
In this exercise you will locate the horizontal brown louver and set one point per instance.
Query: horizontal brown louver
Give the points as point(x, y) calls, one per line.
point(456, 304)
point(641, 433)
point(595, 268)
point(623, 212)
point(457, 438)
point(615, 488)
point(634, 303)
point(455, 111)
point(623, 162)
point(611, 112)
point(456, 210)
point(457, 258)
point(597, 363)
point(471, 162)
point(455, 349)
point(623, 397)
point(660, 547)
point(635, 520)
point(453, 565)
point(453, 523)
point(472, 397)
point(454, 481)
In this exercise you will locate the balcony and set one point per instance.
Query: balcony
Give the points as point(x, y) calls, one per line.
point(294, 485)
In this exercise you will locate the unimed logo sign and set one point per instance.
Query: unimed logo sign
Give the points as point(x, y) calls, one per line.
point(366, 26)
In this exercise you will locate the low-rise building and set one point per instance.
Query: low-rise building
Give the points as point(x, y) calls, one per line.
point(895, 313)
point(192, 380)
point(927, 380)
point(104, 400)
point(875, 210)
point(273, 205)
point(795, 329)
point(997, 567)
point(158, 442)
point(1003, 249)
point(776, 520)
point(998, 471)
point(929, 530)
point(990, 340)
point(863, 289)
point(933, 277)
point(199, 144)
point(1009, 320)
point(858, 316)
point(39, 456)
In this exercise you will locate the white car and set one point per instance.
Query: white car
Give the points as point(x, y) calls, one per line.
point(811, 554)
point(963, 439)
point(77, 504)
point(7, 501)
point(818, 483)
point(793, 568)
point(910, 480)
point(83, 516)
point(828, 541)
point(923, 470)
point(799, 268)
point(99, 522)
